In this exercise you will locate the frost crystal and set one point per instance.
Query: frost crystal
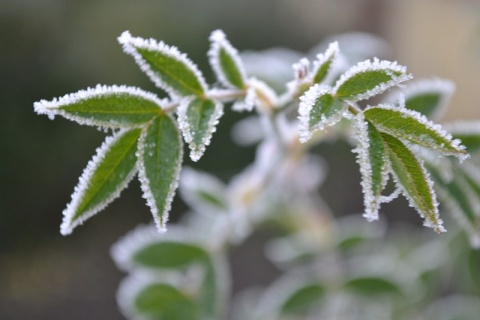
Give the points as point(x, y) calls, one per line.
point(196, 151)
point(323, 58)
point(443, 88)
point(54, 107)
point(307, 102)
point(160, 218)
point(219, 41)
point(259, 94)
point(132, 44)
point(391, 68)
point(68, 224)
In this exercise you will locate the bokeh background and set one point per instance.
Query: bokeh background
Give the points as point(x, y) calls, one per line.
point(52, 47)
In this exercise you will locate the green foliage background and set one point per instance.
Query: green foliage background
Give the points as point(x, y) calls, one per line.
point(51, 47)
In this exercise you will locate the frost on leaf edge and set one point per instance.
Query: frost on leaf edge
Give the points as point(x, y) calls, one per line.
point(67, 225)
point(130, 45)
point(374, 65)
point(219, 41)
point(160, 222)
point(52, 108)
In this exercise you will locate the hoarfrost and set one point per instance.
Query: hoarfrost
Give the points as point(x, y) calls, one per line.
point(322, 58)
point(389, 67)
point(160, 215)
point(68, 223)
point(54, 107)
point(131, 44)
point(219, 41)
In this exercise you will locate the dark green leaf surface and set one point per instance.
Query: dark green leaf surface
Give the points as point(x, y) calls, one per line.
point(372, 286)
point(161, 158)
point(409, 126)
point(169, 255)
point(324, 108)
point(164, 302)
point(174, 73)
point(113, 110)
point(302, 300)
point(106, 178)
point(378, 161)
point(412, 176)
point(230, 69)
point(426, 103)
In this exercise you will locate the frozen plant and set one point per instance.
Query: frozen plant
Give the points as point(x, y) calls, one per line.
point(182, 274)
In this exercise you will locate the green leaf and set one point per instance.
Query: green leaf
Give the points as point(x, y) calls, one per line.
point(323, 65)
point(226, 62)
point(414, 180)
point(474, 266)
point(105, 106)
point(164, 302)
point(318, 109)
point(368, 79)
point(197, 119)
point(105, 176)
point(468, 132)
point(372, 286)
point(301, 301)
point(412, 126)
point(428, 96)
point(169, 255)
point(160, 158)
point(372, 159)
point(167, 67)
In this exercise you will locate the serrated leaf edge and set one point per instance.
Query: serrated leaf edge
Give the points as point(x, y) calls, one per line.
point(219, 41)
point(130, 45)
point(196, 151)
point(374, 65)
point(461, 154)
point(67, 225)
point(52, 108)
point(145, 183)
point(371, 202)
point(307, 101)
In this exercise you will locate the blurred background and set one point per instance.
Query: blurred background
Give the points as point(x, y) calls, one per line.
point(49, 48)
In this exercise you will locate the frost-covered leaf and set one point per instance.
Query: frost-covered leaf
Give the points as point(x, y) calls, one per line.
point(318, 109)
point(165, 65)
point(372, 158)
point(105, 176)
point(197, 119)
point(323, 65)
point(468, 132)
point(430, 97)
point(412, 126)
point(368, 79)
point(104, 106)
point(413, 179)
point(303, 299)
point(160, 157)
point(226, 62)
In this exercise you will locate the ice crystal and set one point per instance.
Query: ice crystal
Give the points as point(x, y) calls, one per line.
point(132, 44)
point(68, 223)
point(397, 73)
point(219, 41)
point(54, 107)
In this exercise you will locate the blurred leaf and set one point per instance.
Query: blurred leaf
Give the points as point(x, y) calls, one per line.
point(164, 302)
point(372, 286)
point(169, 255)
point(474, 266)
point(301, 301)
